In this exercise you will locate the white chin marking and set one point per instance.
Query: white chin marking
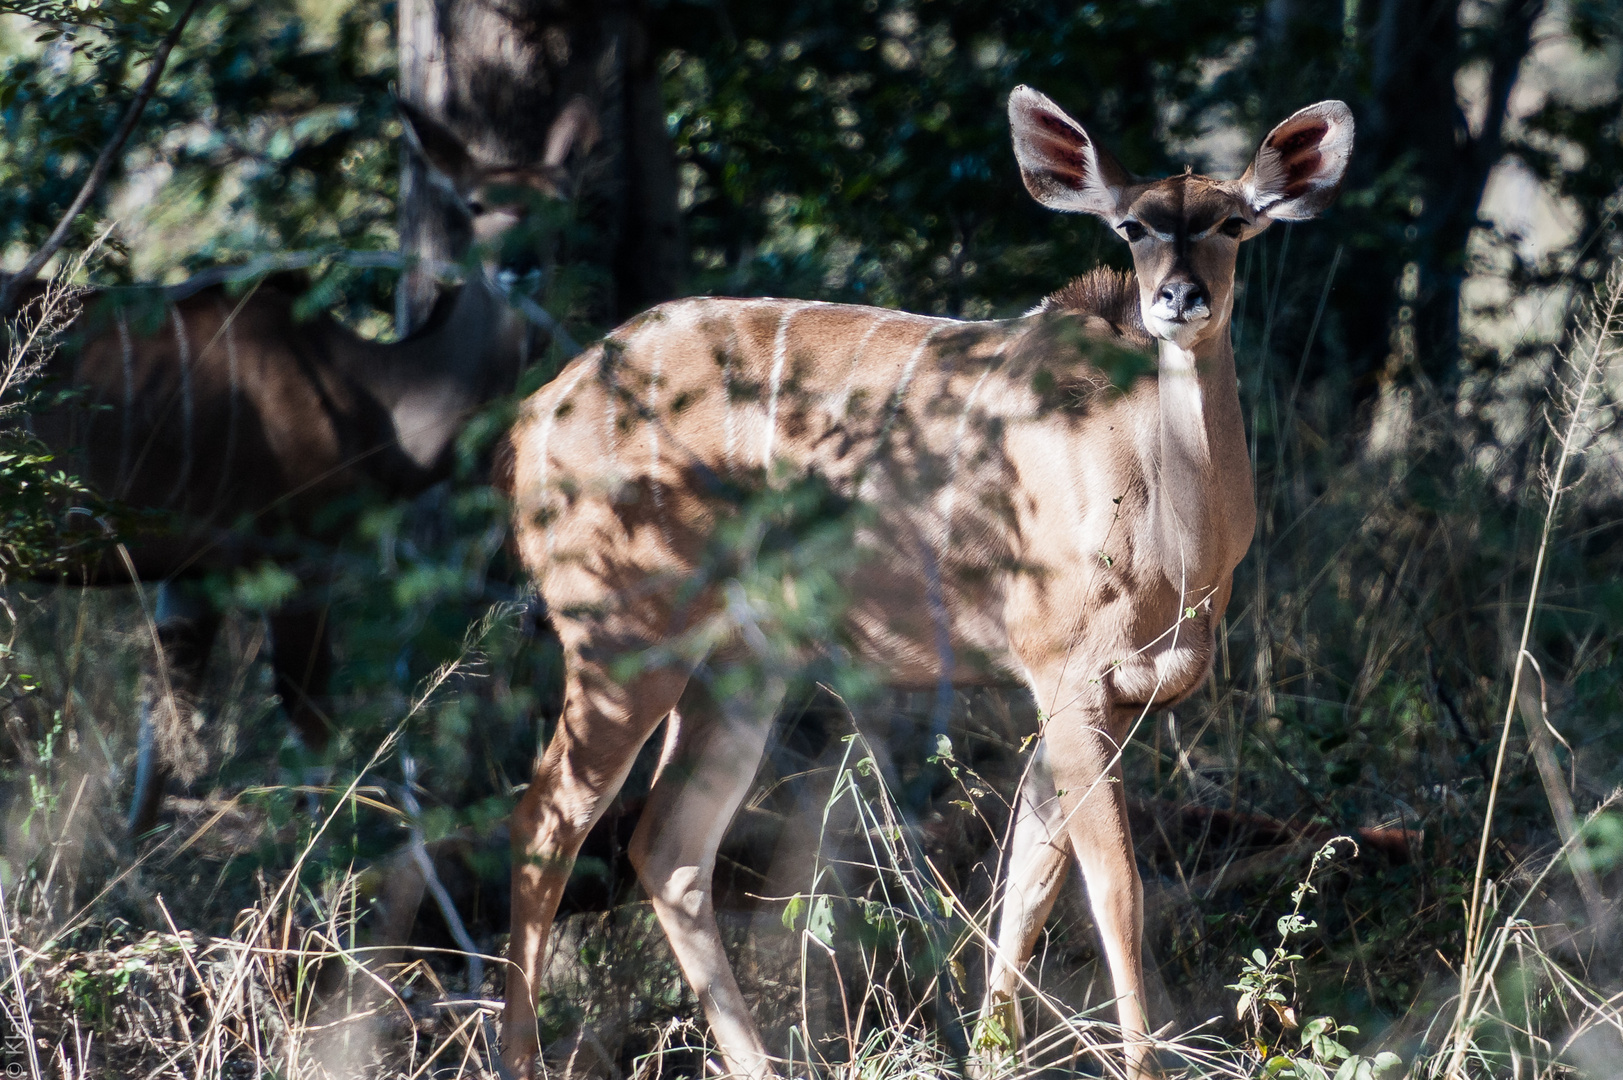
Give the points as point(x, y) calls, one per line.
point(1177, 331)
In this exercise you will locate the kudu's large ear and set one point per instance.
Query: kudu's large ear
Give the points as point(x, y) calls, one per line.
point(574, 129)
point(438, 145)
point(1064, 169)
point(1299, 166)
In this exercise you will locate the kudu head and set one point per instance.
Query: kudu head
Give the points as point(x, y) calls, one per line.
point(1184, 231)
point(499, 199)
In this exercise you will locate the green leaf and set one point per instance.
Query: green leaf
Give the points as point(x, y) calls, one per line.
point(990, 1034)
point(1279, 1066)
point(792, 911)
point(1385, 1061)
point(821, 922)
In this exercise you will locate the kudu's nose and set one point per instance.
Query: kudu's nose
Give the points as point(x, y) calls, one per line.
point(1182, 297)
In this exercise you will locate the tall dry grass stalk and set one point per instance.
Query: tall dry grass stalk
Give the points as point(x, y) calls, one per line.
point(1597, 344)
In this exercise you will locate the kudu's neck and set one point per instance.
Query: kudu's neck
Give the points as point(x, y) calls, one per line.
point(1204, 508)
point(432, 381)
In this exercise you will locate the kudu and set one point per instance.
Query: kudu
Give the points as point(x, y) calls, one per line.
point(241, 425)
point(1025, 521)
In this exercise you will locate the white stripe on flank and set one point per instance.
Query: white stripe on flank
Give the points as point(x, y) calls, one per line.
point(546, 438)
point(894, 408)
point(949, 493)
point(780, 352)
point(604, 365)
point(127, 436)
point(187, 436)
point(653, 428)
point(652, 420)
point(907, 374)
point(233, 409)
point(729, 420)
point(844, 400)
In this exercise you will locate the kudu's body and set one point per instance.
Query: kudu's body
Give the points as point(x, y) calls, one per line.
point(1025, 522)
point(240, 425)
point(238, 422)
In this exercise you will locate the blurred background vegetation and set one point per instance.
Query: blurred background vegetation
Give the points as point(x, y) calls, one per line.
point(1401, 366)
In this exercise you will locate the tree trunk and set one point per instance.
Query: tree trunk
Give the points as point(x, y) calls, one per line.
point(1416, 148)
point(428, 219)
point(497, 74)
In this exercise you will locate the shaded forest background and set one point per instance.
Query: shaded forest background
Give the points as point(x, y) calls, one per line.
point(1401, 368)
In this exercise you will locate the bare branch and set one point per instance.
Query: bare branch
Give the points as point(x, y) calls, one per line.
point(104, 161)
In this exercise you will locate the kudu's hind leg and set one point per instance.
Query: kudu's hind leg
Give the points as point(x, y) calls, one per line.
point(187, 625)
point(1039, 859)
point(708, 767)
point(301, 660)
point(604, 724)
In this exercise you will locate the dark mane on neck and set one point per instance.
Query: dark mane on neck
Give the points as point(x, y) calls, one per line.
point(1110, 296)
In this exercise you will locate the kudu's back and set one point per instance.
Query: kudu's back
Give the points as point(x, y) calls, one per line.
point(923, 428)
point(223, 417)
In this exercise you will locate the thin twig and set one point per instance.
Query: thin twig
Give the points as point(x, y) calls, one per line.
point(1536, 718)
point(431, 878)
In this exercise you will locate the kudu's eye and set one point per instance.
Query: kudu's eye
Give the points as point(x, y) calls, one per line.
point(1132, 230)
point(1233, 227)
point(475, 207)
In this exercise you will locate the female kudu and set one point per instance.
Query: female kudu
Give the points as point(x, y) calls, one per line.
point(239, 424)
point(1025, 521)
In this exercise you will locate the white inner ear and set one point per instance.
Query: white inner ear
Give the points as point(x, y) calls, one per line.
point(1061, 166)
point(1293, 182)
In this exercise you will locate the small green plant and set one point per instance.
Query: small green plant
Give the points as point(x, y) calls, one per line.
point(1268, 982)
point(43, 791)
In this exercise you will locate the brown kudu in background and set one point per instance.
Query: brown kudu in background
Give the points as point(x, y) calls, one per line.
point(242, 424)
point(1029, 523)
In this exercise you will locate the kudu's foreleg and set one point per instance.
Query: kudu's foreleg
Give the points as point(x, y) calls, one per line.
point(1087, 773)
point(1082, 737)
point(603, 725)
point(709, 765)
point(1038, 860)
point(186, 625)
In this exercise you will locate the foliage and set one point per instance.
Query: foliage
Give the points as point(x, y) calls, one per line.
point(1268, 979)
point(35, 497)
point(267, 133)
point(859, 151)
